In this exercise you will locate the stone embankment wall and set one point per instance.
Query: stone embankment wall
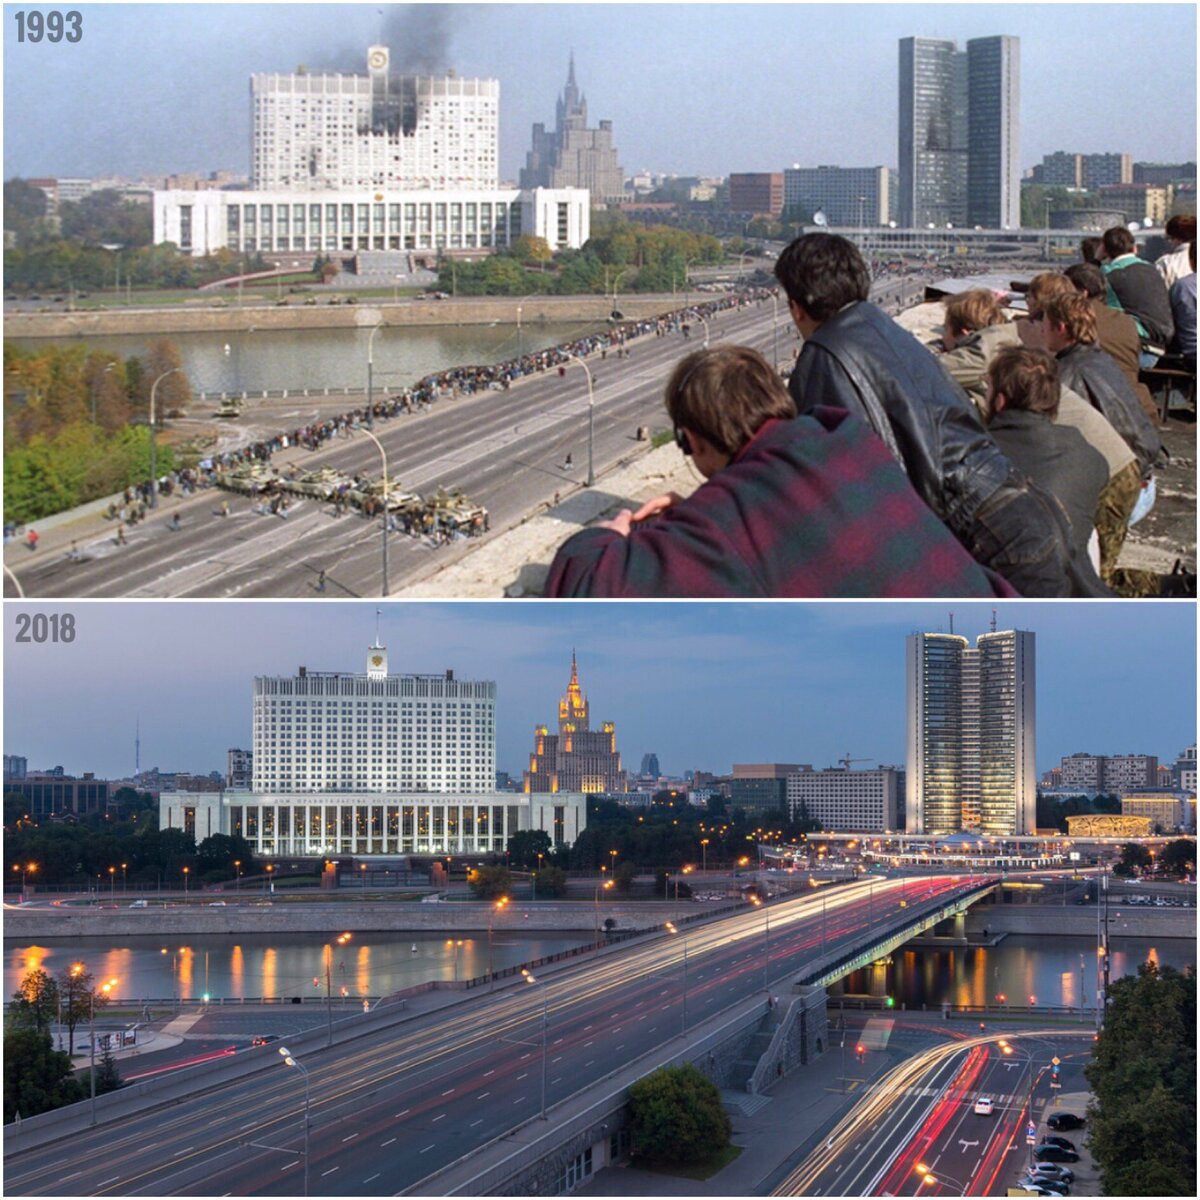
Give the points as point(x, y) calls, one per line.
point(1077, 920)
point(196, 921)
point(204, 317)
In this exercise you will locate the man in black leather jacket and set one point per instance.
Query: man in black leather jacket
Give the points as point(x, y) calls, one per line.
point(855, 357)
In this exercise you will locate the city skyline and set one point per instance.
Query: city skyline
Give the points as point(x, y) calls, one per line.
point(75, 110)
point(700, 685)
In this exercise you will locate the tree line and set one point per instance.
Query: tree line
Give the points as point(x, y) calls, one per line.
point(75, 423)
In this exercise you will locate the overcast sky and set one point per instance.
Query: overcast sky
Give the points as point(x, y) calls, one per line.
point(690, 88)
point(702, 685)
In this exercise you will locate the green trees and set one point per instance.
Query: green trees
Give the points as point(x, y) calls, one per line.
point(677, 1118)
point(525, 845)
point(1135, 858)
point(489, 883)
point(35, 1003)
point(550, 881)
point(1143, 1078)
point(37, 1077)
point(1178, 857)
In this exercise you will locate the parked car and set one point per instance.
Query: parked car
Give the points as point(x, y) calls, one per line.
point(1054, 1171)
point(984, 1106)
point(265, 1039)
point(1055, 1154)
point(1065, 1120)
point(1057, 1186)
point(1053, 1139)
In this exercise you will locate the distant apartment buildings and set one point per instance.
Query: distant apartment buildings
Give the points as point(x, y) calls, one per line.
point(761, 789)
point(959, 133)
point(757, 194)
point(1102, 773)
point(239, 769)
point(848, 801)
point(971, 717)
point(848, 196)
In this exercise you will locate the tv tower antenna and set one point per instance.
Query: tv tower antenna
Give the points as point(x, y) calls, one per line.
point(137, 746)
point(993, 620)
point(952, 623)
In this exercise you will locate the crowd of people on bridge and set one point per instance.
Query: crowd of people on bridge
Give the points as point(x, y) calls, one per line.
point(875, 473)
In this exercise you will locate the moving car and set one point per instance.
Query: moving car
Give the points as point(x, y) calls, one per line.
point(265, 1039)
point(1065, 1120)
point(984, 1106)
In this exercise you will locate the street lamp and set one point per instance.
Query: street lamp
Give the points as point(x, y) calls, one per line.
point(96, 377)
point(105, 988)
point(531, 978)
point(25, 869)
point(343, 938)
point(112, 884)
point(237, 866)
point(596, 901)
point(186, 871)
point(591, 475)
point(492, 911)
point(292, 1062)
point(153, 448)
point(387, 516)
point(670, 927)
point(521, 305)
point(371, 374)
point(932, 1177)
point(704, 856)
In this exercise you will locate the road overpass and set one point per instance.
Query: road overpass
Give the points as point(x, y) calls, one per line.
point(439, 1090)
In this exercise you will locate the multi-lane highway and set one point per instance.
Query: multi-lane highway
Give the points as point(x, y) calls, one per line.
point(507, 450)
point(391, 1108)
point(920, 1119)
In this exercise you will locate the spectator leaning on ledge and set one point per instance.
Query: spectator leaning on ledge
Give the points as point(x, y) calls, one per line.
point(855, 357)
point(1069, 333)
point(974, 331)
point(1135, 287)
point(1116, 331)
point(794, 506)
point(1022, 403)
point(1174, 265)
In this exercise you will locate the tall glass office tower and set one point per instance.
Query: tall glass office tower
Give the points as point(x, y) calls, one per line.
point(972, 742)
point(959, 133)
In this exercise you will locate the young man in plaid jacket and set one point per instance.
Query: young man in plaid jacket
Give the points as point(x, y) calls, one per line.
point(793, 506)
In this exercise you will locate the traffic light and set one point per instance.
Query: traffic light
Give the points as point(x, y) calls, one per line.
point(890, 1002)
point(861, 1051)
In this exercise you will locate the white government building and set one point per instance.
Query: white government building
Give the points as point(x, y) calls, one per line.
point(373, 162)
point(373, 765)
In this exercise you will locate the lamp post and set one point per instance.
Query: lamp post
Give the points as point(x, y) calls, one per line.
point(186, 871)
point(703, 321)
point(454, 944)
point(775, 330)
point(934, 1177)
point(371, 373)
point(530, 978)
point(343, 938)
point(521, 305)
point(591, 475)
point(96, 377)
point(112, 885)
point(492, 911)
point(596, 901)
point(25, 869)
point(670, 927)
point(105, 988)
point(292, 1062)
point(704, 856)
point(387, 516)
point(237, 866)
point(153, 447)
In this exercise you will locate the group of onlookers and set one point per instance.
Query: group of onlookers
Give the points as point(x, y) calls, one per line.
point(1011, 464)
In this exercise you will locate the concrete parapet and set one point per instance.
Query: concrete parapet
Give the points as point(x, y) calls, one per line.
point(1080, 921)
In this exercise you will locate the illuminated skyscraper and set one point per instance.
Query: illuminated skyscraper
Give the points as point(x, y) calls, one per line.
point(577, 758)
point(971, 733)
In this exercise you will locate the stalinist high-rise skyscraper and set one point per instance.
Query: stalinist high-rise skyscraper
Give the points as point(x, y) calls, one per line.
point(577, 758)
point(972, 740)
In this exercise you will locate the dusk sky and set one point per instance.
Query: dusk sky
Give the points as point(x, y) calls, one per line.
point(702, 685)
point(690, 88)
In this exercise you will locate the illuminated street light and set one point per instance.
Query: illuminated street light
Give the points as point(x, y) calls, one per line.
point(531, 978)
point(341, 941)
point(292, 1062)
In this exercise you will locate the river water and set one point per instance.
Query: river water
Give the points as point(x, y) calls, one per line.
point(270, 359)
point(376, 964)
point(251, 965)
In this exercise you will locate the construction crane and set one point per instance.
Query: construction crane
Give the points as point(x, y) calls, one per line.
point(848, 760)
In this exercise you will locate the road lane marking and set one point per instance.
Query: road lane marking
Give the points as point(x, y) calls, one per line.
point(589, 1062)
point(438, 1117)
point(375, 1176)
point(108, 1181)
point(586, 1044)
point(329, 1172)
point(491, 1072)
point(74, 1176)
point(387, 1143)
point(525, 1056)
point(558, 1059)
point(349, 1137)
point(479, 1122)
point(519, 1100)
point(525, 1076)
point(446, 1093)
point(429, 1147)
point(175, 1155)
point(483, 1095)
